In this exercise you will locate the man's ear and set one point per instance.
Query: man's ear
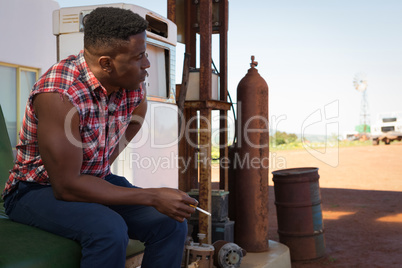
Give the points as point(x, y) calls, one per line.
point(105, 62)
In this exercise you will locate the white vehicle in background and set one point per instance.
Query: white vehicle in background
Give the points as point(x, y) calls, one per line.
point(388, 128)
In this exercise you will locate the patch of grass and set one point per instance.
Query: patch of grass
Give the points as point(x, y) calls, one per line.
point(316, 145)
point(298, 145)
point(332, 259)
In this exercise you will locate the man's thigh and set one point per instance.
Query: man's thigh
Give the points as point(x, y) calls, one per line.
point(36, 206)
point(144, 222)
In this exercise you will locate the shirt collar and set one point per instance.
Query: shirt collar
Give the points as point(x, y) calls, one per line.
point(87, 74)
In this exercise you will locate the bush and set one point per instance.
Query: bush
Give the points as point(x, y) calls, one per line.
point(280, 138)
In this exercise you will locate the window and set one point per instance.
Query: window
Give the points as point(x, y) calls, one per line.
point(16, 83)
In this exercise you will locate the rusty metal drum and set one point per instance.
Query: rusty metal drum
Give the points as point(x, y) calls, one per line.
point(299, 212)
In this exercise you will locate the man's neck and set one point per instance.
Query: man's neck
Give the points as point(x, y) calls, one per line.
point(101, 75)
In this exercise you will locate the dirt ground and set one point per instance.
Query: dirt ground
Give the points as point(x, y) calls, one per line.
point(361, 193)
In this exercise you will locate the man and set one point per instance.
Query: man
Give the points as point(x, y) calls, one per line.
point(77, 120)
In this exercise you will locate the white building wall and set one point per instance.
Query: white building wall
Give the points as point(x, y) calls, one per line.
point(26, 36)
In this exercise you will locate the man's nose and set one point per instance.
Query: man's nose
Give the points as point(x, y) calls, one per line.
point(146, 63)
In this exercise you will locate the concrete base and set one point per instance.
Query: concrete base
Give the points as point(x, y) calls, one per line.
point(278, 256)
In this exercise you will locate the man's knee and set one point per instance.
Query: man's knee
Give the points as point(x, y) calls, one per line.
point(110, 232)
point(178, 230)
point(168, 229)
point(105, 244)
point(183, 229)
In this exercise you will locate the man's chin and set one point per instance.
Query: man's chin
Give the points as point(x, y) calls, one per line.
point(137, 86)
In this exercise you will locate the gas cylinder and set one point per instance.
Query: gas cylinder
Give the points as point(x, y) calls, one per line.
point(249, 163)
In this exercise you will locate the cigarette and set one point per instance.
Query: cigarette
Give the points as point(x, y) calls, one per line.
point(200, 209)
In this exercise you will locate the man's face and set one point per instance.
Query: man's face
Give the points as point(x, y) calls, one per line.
point(130, 63)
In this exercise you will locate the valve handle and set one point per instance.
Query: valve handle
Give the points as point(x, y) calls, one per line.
point(253, 62)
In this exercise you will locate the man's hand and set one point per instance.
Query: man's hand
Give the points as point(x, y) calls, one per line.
point(174, 203)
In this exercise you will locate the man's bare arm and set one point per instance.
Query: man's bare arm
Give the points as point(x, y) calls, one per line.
point(63, 161)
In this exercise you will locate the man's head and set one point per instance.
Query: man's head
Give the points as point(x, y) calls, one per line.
point(115, 47)
point(109, 27)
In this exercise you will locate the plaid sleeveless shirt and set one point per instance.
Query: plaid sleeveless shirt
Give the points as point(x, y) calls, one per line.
point(103, 121)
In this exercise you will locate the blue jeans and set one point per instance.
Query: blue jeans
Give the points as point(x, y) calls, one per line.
point(102, 231)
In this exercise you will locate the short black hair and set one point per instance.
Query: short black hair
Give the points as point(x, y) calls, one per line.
point(107, 26)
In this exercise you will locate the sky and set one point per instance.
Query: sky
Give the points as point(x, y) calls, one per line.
point(309, 52)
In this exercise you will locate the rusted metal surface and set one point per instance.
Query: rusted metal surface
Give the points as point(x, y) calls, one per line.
point(171, 10)
point(188, 152)
point(223, 48)
point(192, 150)
point(205, 7)
point(208, 104)
point(299, 214)
point(192, 175)
point(190, 36)
point(205, 24)
point(250, 163)
point(223, 124)
point(191, 139)
point(205, 187)
point(199, 256)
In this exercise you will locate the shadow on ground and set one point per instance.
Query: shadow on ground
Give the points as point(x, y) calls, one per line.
point(362, 228)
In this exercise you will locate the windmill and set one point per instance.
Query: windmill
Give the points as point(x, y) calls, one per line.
point(360, 84)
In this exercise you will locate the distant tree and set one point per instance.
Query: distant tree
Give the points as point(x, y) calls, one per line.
point(292, 138)
point(280, 137)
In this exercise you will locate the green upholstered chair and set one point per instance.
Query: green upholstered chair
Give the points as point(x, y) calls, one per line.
point(25, 246)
